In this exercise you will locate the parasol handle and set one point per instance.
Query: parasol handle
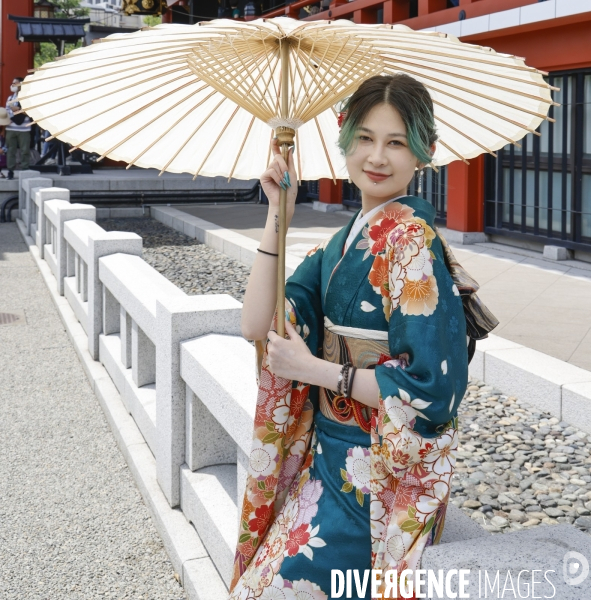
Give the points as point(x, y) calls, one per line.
point(281, 251)
point(285, 136)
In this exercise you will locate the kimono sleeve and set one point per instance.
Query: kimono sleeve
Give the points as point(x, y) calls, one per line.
point(302, 292)
point(425, 381)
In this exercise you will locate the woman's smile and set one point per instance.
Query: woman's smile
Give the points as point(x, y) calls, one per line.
point(376, 177)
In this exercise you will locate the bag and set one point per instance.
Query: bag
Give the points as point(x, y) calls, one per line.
point(18, 119)
point(479, 320)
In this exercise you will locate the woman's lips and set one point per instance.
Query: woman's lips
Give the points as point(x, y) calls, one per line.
point(376, 176)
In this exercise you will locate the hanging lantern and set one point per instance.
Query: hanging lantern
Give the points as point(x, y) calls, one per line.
point(142, 7)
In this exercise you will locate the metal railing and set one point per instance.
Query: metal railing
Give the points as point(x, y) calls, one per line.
point(542, 191)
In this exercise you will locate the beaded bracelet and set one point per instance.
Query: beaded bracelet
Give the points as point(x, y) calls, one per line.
point(344, 374)
point(349, 388)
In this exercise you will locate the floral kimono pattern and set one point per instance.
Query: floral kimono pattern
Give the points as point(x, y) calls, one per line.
point(332, 484)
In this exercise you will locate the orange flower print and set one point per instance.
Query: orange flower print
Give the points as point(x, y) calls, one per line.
point(378, 276)
point(419, 297)
point(399, 212)
point(400, 458)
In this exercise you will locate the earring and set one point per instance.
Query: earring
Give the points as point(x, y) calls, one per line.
point(420, 186)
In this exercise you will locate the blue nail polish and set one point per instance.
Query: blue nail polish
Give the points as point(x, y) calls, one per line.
point(282, 185)
point(287, 178)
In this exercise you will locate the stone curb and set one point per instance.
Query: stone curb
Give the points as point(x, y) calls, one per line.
point(190, 560)
point(543, 381)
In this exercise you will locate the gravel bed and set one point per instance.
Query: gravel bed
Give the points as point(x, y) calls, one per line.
point(518, 467)
point(73, 525)
point(190, 265)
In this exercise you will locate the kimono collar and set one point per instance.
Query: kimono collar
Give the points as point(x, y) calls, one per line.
point(362, 220)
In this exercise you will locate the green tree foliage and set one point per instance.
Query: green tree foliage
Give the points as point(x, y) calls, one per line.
point(67, 9)
point(48, 52)
point(152, 20)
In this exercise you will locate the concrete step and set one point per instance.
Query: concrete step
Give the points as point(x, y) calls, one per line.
point(550, 556)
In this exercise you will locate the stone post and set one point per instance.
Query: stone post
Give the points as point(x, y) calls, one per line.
point(28, 212)
point(40, 196)
point(178, 320)
point(22, 175)
point(103, 244)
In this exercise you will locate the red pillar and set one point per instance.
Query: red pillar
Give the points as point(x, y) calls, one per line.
point(465, 195)
point(329, 192)
point(395, 10)
point(365, 15)
point(16, 58)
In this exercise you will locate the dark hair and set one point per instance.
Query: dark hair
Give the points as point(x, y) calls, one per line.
point(404, 93)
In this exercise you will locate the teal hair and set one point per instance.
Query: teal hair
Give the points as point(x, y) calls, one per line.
point(404, 93)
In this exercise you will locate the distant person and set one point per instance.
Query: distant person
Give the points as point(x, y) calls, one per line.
point(4, 121)
point(18, 132)
point(235, 10)
point(250, 11)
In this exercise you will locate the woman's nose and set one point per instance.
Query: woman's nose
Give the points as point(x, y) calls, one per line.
point(377, 156)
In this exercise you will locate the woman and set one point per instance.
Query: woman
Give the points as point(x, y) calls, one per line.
point(356, 427)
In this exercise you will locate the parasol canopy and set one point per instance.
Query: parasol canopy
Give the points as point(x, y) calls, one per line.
point(203, 99)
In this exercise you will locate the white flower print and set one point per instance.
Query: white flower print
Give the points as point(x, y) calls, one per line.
point(398, 543)
point(377, 512)
point(421, 266)
point(441, 458)
point(454, 289)
point(428, 503)
point(400, 413)
point(281, 416)
point(358, 468)
point(396, 276)
point(306, 590)
point(263, 459)
point(444, 367)
point(277, 590)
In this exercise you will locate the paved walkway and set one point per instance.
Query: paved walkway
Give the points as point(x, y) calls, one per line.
point(72, 522)
point(541, 304)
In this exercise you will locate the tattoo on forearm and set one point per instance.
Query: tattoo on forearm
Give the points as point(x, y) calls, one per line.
point(276, 223)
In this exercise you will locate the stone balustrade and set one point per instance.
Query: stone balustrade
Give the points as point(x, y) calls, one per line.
point(220, 409)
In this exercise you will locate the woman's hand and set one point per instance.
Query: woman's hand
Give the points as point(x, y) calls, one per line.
point(291, 358)
point(275, 176)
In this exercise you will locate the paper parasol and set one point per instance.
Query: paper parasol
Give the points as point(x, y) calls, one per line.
point(204, 99)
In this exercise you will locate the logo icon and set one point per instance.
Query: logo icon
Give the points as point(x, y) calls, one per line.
point(575, 568)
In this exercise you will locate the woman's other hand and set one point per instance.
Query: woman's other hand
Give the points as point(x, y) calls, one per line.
point(289, 358)
point(275, 177)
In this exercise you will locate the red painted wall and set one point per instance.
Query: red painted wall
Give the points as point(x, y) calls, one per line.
point(15, 58)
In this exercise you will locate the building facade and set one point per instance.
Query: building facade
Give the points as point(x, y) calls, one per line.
point(16, 57)
point(534, 196)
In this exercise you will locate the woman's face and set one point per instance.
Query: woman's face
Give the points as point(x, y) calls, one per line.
point(381, 164)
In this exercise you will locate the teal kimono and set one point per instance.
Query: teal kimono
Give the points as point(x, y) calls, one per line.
point(333, 484)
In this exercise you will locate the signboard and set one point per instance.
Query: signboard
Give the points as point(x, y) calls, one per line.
point(142, 7)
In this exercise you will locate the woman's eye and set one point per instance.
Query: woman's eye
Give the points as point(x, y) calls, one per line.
point(397, 143)
point(364, 138)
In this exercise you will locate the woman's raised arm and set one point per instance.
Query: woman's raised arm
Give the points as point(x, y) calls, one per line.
point(261, 292)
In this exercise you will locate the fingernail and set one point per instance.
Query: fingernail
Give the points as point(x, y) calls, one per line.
point(282, 185)
point(287, 178)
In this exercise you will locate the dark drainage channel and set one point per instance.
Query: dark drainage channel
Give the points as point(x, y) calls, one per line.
point(114, 199)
